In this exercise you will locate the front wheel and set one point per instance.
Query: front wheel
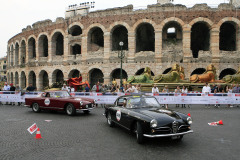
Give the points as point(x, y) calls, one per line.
point(109, 120)
point(36, 107)
point(139, 133)
point(70, 109)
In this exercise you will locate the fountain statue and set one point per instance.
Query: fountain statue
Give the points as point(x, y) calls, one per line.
point(174, 76)
point(232, 78)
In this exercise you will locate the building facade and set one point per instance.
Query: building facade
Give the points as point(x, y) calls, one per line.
point(156, 37)
point(3, 69)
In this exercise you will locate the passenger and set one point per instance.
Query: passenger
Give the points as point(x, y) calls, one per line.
point(48, 95)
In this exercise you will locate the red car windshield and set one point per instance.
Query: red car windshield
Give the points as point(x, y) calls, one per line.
point(60, 94)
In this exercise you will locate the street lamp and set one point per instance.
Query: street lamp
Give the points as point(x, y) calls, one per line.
point(121, 55)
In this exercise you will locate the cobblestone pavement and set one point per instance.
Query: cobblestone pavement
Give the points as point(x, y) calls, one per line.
point(89, 137)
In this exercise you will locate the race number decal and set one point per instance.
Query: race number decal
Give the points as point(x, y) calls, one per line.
point(118, 115)
point(47, 101)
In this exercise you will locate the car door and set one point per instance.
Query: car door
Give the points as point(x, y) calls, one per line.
point(116, 110)
point(46, 100)
point(55, 101)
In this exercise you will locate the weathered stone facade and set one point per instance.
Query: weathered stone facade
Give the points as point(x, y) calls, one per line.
point(48, 51)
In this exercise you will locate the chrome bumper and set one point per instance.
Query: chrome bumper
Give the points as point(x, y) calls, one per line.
point(27, 106)
point(167, 135)
point(85, 109)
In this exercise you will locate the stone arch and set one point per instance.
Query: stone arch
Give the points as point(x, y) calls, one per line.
point(201, 19)
point(135, 26)
point(32, 78)
point(198, 71)
point(200, 35)
point(227, 19)
point(11, 54)
point(23, 80)
point(228, 36)
point(11, 79)
point(227, 71)
point(75, 49)
point(172, 35)
point(16, 78)
point(16, 53)
point(23, 52)
point(8, 77)
point(95, 39)
point(119, 33)
point(95, 75)
point(141, 71)
point(57, 42)
point(115, 74)
point(57, 76)
point(171, 19)
point(43, 45)
point(43, 80)
point(75, 29)
point(31, 47)
point(145, 37)
point(167, 70)
point(75, 73)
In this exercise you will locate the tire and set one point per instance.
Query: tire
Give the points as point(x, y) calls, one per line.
point(70, 109)
point(86, 111)
point(36, 107)
point(109, 120)
point(139, 133)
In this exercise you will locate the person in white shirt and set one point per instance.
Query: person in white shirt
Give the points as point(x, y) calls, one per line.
point(134, 89)
point(64, 88)
point(6, 87)
point(206, 90)
point(129, 89)
point(155, 89)
point(184, 90)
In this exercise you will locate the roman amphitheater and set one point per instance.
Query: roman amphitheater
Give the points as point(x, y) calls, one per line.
point(87, 43)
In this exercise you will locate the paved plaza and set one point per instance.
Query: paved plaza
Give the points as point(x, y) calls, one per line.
point(89, 137)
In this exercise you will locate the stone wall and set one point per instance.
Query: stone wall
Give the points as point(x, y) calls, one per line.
point(165, 53)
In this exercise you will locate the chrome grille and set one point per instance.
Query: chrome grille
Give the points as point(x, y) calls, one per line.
point(174, 127)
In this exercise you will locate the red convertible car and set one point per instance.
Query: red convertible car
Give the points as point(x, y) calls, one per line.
point(60, 100)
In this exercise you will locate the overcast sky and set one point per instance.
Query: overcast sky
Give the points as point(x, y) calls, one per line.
point(17, 14)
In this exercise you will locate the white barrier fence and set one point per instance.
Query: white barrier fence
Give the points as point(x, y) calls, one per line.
point(163, 98)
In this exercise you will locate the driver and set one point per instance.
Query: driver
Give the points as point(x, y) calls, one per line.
point(47, 95)
point(124, 102)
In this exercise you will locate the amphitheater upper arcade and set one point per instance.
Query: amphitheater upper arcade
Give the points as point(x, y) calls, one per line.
point(155, 37)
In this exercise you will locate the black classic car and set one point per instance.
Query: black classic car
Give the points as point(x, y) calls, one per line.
point(144, 116)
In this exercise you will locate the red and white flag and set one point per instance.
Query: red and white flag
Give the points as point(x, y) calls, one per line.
point(32, 128)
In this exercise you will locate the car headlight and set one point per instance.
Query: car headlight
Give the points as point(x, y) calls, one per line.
point(189, 120)
point(153, 123)
point(81, 103)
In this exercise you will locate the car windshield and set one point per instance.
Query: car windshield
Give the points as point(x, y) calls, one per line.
point(62, 94)
point(141, 102)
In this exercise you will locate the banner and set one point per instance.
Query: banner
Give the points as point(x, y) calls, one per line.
point(163, 98)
